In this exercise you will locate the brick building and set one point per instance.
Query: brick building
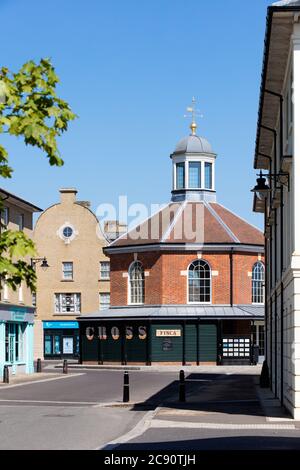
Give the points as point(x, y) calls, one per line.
point(186, 284)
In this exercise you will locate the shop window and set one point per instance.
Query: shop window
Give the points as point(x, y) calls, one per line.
point(199, 282)
point(14, 342)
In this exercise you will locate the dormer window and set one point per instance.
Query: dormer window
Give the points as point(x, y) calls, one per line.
point(208, 175)
point(194, 175)
point(180, 176)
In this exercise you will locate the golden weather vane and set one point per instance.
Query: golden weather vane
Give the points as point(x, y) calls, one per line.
point(194, 113)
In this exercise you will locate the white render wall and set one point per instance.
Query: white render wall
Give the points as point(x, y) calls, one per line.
point(291, 263)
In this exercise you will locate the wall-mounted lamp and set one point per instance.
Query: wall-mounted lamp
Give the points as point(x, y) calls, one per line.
point(43, 261)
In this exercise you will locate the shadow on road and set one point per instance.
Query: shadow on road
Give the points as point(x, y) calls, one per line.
point(215, 393)
point(257, 442)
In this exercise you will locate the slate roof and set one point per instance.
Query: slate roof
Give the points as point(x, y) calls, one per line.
point(242, 312)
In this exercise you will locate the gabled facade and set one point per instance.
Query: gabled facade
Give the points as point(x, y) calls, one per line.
point(78, 278)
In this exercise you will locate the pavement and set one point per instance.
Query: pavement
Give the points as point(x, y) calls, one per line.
point(224, 409)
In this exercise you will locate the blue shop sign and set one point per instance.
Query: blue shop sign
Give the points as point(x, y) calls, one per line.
point(18, 313)
point(60, 325)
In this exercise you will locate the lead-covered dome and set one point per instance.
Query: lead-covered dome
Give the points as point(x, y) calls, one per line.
point(193, 144)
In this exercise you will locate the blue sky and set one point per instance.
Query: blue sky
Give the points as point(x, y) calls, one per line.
point(129, 69)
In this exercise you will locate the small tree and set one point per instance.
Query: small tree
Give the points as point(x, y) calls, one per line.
point(31, 109)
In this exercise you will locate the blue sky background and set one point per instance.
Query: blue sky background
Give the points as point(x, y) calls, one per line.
point(129, 69)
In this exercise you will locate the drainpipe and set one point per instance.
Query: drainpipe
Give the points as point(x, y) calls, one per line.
point(231, 276)
point(1, 200)
point(278, 95)
point(266, 287)
point(281, 293)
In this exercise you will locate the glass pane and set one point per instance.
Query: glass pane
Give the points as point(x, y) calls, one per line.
point(194, 175)
point(208, 175)
point(56, 345)
point(48, 348)
point(180, 174)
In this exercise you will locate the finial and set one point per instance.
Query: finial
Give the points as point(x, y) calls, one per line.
point(195, 113)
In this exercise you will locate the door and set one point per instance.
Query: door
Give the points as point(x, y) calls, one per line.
point(10, 340)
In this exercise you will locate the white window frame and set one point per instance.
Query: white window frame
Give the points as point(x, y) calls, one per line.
point(210, 283)
point(64, 272)
point(59, 303)
point(104, 305)
point(260, 280)
point(104, 277)
point(129, 297)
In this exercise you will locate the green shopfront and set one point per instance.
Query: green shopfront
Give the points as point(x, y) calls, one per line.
point(16, 339)
point(222, 335)
point(147, 342)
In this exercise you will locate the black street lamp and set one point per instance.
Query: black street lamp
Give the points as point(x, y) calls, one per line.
point(43, 261)
point(261, 189)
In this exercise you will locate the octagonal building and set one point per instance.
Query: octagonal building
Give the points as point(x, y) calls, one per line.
point(187, 284)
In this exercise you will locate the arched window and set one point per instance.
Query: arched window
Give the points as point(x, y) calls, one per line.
point(136, 283)
point(199, 282)
point(258, 278)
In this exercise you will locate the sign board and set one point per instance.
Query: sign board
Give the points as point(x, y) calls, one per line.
point(60, 325)
point(168, 333)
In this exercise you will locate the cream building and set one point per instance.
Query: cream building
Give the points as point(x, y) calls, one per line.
point(77, 280)
point(277, 195)
point(16, 309)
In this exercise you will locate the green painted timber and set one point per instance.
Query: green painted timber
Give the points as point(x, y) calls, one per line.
point(112, 348)
point(136, 348)
point(89, 347)
point(166, 349)
point(191, 343)
point(208, 342)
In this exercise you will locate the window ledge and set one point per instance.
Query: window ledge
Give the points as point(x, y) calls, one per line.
point(66, 314)
point(67, 280)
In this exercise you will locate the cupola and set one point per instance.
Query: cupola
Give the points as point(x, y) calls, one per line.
point(193, 166)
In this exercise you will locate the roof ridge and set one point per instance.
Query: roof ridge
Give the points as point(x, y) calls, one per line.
point(180, 209)
point(222, 223)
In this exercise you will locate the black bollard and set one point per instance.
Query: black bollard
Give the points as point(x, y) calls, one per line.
point(181, 386)
point(39, 365)
point(126, 388)
point(65, 366)
point(6, 375)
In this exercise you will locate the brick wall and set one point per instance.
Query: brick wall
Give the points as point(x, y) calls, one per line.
point(167, 284)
